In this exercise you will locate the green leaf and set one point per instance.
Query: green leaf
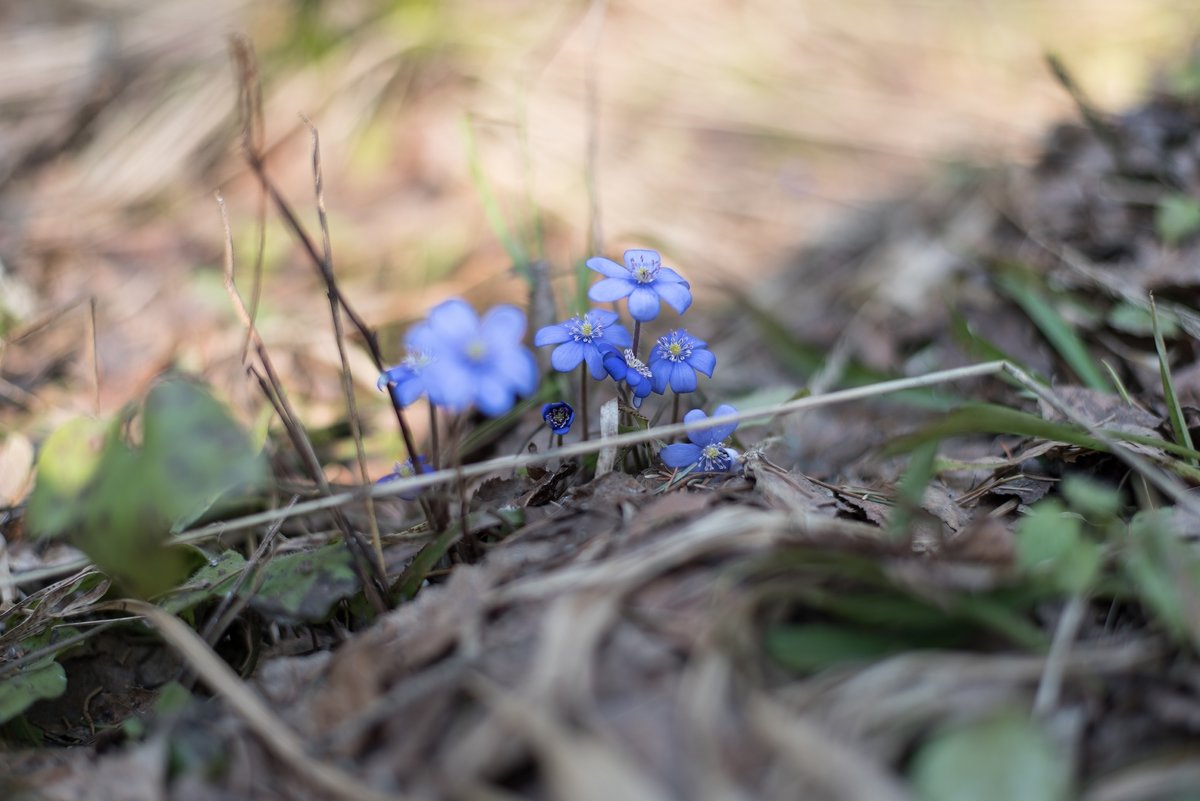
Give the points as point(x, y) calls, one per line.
point(815, 646)
point(1057, 331)
point(1004, 758)
point(1176, 218)
point(303, 587)
point(1098, 502)
point(38, 680)
point(1165, 572)
point(66, 464)
point(213, 579)
point(910, 492)
point(1050, 542)
point(120, 506)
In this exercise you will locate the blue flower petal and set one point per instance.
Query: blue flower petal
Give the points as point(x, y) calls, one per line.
point(682, 378)
point(518, 367)
point(595, 362)
point(618, 335)
point(407, 392)
point(601, 317)
point(551, 335)
point(450, 384)
point(680, 454)
point(721, 433)
point(614, 364)
point(704, 361)
point(661, 370)
point(503, 323)
point(670, 276)
point(607, 290)
point(567, 356)
point(643, 303)
point(493, 395)
point(453, 320)
point(677, 296)
point(607, 267)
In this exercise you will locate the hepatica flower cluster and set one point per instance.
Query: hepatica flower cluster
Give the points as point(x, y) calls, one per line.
point(600, 347)
point(459, 361)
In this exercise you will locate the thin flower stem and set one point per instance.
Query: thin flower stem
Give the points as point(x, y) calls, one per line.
point(550, 441)
point(674, 408)
point(405, 431)
point(435, 456)
point(583, 399)
point(637, 336)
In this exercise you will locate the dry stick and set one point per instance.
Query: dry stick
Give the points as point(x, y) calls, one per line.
point(276, 735)
point(340, 337)
point(434, 445)
point(250, 112)
point(1159, 478)
point(273, 388)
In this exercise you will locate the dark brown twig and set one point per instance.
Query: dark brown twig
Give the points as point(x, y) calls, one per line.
point(273, 389)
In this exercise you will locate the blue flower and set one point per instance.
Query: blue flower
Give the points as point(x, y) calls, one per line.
point(406, 381)
point(633, 371)
point(405, 470)
point(675, 360)
point(583, 339)
point(643, 280)
point(472, 361)
point(559, 416)
point(706, 453)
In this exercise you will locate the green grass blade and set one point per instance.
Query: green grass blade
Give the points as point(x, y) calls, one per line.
point(1120, 385)
point(910, 492)
point(1178, 424)
point(491, 207)
point(1055, 329)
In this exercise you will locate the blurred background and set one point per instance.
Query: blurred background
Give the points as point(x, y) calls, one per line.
point(725, 134)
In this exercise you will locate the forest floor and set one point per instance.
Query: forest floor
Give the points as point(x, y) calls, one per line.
point(958, 558)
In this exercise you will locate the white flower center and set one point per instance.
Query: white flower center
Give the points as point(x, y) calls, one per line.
point(637, 365)
point(714, 458)
point(584, 330)
point(416, 360)
point(675, 348)
point(477, 350)
point(644, 269)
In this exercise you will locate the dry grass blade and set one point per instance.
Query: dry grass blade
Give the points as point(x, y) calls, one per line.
point(819, 760)
point(579, 767)
point(273, 732)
